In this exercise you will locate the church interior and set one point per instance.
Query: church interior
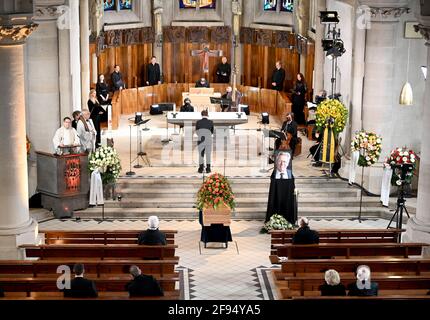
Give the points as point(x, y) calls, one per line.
point(214, 150)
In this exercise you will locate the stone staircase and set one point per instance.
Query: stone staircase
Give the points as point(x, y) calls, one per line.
point(174, 198)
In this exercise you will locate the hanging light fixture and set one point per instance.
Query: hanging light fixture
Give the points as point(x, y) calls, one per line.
point(406, 95)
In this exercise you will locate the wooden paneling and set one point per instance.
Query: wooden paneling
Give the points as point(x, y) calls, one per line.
point(251, 97)
point(129, 101)
point(174, 93)
point(283, 106)
point(259, 63)
point(159, 93)
point(268, 101)
point(132, 60)
point(310, 60)
point(144, 98)
point(116, 109)
point(180, 67)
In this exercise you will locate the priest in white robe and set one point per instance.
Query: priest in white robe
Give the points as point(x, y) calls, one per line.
point(87, 132)
point(66, 139)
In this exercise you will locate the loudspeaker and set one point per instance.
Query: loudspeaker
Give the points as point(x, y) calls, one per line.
point(155, 109)
point(244, 108)
point(167, 106)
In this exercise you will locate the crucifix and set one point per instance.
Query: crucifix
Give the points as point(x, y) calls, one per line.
point(206, 53)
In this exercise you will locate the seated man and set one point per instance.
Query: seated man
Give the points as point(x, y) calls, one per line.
point(143, 285)
point(304, 234)
point(229, 96)
point(202, 83)
point(152, 236)
point(187, 107)
point(80, 287)
point(116, 77)
point(66, 139)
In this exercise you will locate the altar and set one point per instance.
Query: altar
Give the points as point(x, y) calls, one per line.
point(221, 119)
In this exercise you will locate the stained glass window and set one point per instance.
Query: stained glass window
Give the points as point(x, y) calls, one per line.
point(270, 5)
point(203, 4)
point(109, 5)
point(125, 4)
point(287, 5)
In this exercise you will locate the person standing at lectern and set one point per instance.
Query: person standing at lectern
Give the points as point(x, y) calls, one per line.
point(153, 73)
point(202, 83)
point(116, 76)
point(278, 77)
point(87, 132)
point(66, 136)
point(223, 71)
point(204, 130)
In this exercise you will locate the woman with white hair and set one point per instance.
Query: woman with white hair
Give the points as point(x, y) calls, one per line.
point(332, 285)
point(152, 236)
point(363, 286)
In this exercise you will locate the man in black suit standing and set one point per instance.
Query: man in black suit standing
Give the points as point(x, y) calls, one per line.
point(116, 77)
point(223, 71)
point(202, 83)
point(152, 236)
point(304, 234)
point(153, 73)
point(204, 130)
point(143, 285)
point(278, 77)
point(80, 287)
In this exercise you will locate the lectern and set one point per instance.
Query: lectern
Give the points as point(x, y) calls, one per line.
point(63, 181)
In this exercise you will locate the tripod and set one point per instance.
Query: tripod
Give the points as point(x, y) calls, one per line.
point(398, 214)
point(141, 154)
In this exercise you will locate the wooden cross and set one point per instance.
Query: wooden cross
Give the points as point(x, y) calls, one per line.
point(206, 53)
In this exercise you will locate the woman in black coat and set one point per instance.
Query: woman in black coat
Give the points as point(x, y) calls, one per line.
point(98, 114)
point(299, 98)
point(102, 90)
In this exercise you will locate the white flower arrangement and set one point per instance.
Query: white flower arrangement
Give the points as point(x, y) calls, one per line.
point(369, 145)
point(277, 222)
point(397, 158)
point(106, 159)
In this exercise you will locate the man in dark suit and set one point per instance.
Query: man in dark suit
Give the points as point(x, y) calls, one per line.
point(80, 287)
point(116, 77)
point(202, 83)
point(143, 285)
point(223, 71)
point(204, 130)
point(153, 73)
point(304, 234)
point(152, 236)
point(290, 126)
point(278, 77)
point(76, 114)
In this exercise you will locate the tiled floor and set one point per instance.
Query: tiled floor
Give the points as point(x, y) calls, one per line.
point(238, 272)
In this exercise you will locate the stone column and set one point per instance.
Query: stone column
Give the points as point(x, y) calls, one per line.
point(42, 79)
point(16, 226)
point(237, 46)
point(158, 27)
point(418, 228)
point(378, 87)
point(75, 58)
point(84, 28)
point(319, 52)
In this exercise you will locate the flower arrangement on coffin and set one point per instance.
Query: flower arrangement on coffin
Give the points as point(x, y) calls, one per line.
point(331, 109)
point(106, 159)
point(399, 157)
point(216, 199)
point(276, 222)
point(369, 145)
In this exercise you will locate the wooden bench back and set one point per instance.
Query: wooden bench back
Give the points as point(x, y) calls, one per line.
point(393, 265)
point(100, 251)
point(93, 268)
point(347, 250)
point(99, 236)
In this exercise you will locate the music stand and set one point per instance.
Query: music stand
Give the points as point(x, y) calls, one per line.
point(140, 153)
point(71, 149)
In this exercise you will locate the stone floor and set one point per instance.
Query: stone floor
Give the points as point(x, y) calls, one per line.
point(242, 271)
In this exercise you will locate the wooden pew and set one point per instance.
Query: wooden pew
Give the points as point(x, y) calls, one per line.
point(100, 251)
point(388, 285)
point(48, 286)
point(99, 236)
point(398, 266)
point(100, 268)
point(348, 250)
point(280, 237)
